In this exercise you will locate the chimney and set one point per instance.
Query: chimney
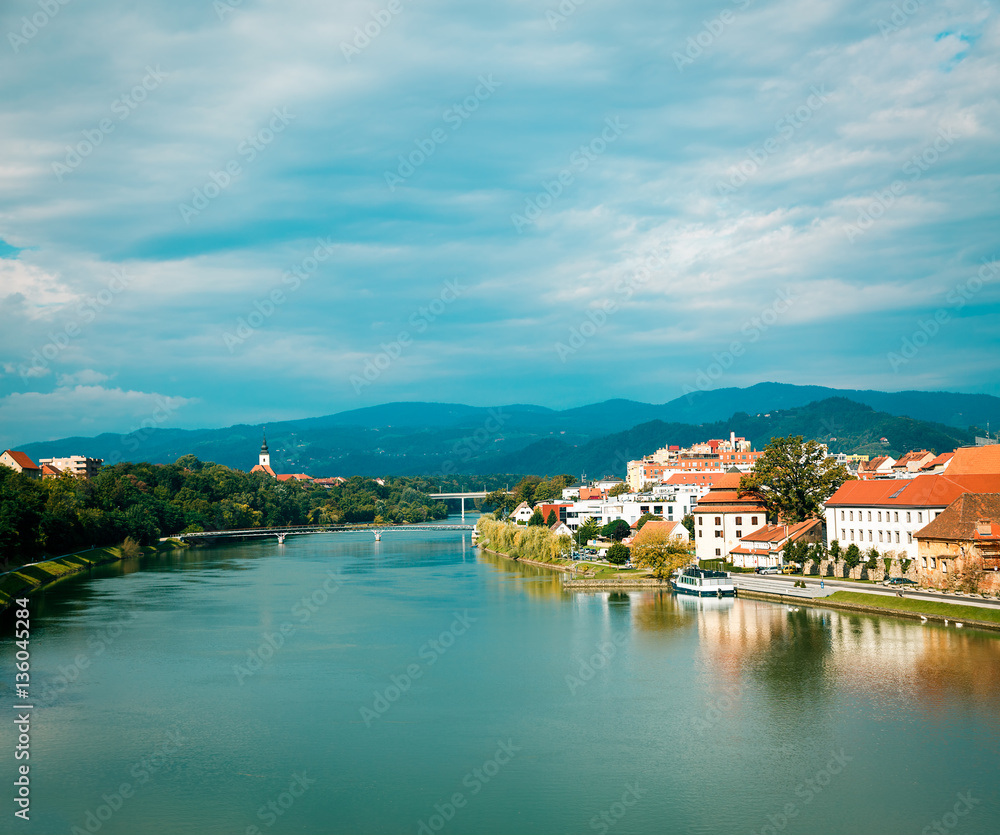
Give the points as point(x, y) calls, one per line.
point(983, 527)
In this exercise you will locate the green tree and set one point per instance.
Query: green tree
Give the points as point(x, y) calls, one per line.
point(587, 531)
point(660, 553)
point(792, 479)
point(536, 518)
point(688, 522)
point(618, 490)
point(852, 555)
point(835, 551)
point(618, 554)
point(552, 519)
point(616, 530)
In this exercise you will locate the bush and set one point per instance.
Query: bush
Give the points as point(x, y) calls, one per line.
point(130, 549)
point(618, 554)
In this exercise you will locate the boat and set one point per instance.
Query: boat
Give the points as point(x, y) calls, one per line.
point(703, 583)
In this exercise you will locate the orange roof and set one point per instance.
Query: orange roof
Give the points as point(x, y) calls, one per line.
point(48, 469)
point(923, 491)
point(293, 476)
point(693, 478)
point(960, 520)
point(779, 533)
point(976, 460)
point(942, 459)
point(23, 461)
point(263, 468)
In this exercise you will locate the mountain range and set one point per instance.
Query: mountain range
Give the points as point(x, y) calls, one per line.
point(417, 438)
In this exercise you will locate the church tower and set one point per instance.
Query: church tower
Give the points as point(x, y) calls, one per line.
point(265, 456)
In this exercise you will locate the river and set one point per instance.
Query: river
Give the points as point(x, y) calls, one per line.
point(338, 685)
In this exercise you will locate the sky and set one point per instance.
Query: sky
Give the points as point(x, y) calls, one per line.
point(238, 212)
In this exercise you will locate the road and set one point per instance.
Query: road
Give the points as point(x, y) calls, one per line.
point(783, 584)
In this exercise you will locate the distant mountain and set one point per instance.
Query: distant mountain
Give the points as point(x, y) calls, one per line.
point(427, 438)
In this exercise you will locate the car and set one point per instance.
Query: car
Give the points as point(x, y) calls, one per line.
point(768, 569)
point(899, 581)
point(790, 569)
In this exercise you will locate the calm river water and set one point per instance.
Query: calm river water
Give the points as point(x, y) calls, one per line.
point(338, 685)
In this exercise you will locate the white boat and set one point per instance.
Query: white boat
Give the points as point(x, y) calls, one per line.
point(703, 583)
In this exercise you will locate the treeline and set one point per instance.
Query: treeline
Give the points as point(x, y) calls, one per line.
point(146, 501)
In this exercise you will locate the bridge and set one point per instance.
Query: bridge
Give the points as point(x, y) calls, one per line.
point(463, 496)
point(288, 530)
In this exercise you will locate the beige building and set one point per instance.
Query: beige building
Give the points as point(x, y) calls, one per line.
point(961, 547)
point(78, 465)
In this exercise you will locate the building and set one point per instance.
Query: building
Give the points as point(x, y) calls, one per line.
point(263, 465)
point(78, 465)
point(561, 529)
point(522, 513)
point(672, 530)
point(938, 464)
point(962, 544)
point(912, 463)
point(886, 514)
point(878, 467)
point(21, 463)
point(765, 547)
point(722, 517)
point(48, 471)
point(559, 508)
point(975, 460)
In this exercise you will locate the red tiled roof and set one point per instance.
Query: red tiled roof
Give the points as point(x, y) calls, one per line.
point(923, 491)
point(294, 476)
point(779, 533)
point(943, 458)
point(22, 460)
point(48, 469)
point(960, 519)
point(693, 478)
point(975, 460)
point(729, 508)
point(263, 468)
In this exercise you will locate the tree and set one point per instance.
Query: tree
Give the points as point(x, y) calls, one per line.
point(647, 517)
point(587, 531)
point(792, 479)
point(618, 554)
point(872, 563)
point(661, 553)
point(501, 500)
point(551, 520)
point(616, 530)
point(688, 522)
point(835, 551)
point(852, 556)
point(618, 489)
point(536, 518)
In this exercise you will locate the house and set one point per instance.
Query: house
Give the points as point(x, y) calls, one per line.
point(78, 465)
point(878, 467)
point(938, 464)
point(48, 471)
point(608, 483)
point(886, 514)
point(559, 508)
point(522, 513)
point(591, 493)
point(653, 528)
point(263, 465)
point(21, 463)
point(573, 491)
point(911, 463)
point(294, 477)
point(961, 546)
point(561, 529)
point(765, 546)
point(722, 516)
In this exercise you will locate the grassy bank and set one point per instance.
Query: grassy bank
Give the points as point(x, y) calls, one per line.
point(913, 606)
point(30, 578)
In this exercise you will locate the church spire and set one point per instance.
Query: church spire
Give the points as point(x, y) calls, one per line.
point(263, 446)
point(265, 457)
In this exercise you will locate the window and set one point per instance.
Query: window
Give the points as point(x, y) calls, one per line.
point(880, 516)
point(869, 516)
point(701, 520)
point(895, 516)
point(880, 536)
point(870, 536)
point(841, 516)
point(718, 552)
point(923, 562)
point(907, 516)
point(699, 533)
point(718, 534)
point(897, 537)
point(852, 534)
point(944, 566)
point(739, 520)
point(909, 539)
point(852, 515)
point(658, 508)
point(718, 520)
point(933, 563)
point(739, 534)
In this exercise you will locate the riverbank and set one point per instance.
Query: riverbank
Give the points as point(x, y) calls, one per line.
point(563, 567)
point(29, 579)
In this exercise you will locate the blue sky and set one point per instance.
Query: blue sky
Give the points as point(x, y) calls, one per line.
point(214, 213)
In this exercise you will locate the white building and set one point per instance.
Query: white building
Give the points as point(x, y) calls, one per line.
point(722, 517)
point(78, 465)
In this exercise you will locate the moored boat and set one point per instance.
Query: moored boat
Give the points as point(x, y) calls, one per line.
point(703, 583)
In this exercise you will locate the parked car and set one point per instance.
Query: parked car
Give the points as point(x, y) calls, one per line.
point(769, 569)
point(899, 581)
point(790, 569)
